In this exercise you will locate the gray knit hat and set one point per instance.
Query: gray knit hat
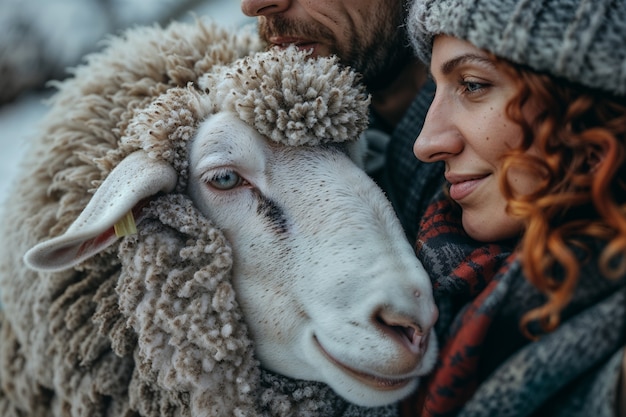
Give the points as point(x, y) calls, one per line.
point(583, 41)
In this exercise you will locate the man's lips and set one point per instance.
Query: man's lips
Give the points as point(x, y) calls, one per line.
point(463, 185)
point(283, 42)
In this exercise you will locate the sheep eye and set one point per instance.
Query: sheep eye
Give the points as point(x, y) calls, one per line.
point(225, 180)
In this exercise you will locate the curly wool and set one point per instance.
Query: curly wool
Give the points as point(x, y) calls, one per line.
point(150, 326)
point(174, 289)
point(292, 100)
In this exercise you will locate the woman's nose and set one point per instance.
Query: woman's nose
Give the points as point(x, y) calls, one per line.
point(439, 138)
point(263, 7)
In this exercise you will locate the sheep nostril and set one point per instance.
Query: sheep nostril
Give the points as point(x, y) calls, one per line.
point(410, 334)
point(402, 328)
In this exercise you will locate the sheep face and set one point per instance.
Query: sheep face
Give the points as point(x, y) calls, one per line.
point(330, 288)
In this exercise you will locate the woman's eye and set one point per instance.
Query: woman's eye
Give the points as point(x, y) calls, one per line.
point(225, 180)
point(473, 87)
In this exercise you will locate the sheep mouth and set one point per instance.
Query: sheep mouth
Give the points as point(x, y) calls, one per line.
point(377, 382)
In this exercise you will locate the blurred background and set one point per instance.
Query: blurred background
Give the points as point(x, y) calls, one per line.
point(40, 39)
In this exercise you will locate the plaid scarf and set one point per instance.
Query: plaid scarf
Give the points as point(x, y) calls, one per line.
point(466, 277)
point(482, 294)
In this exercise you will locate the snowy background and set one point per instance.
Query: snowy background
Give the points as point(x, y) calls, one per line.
point(77, 26)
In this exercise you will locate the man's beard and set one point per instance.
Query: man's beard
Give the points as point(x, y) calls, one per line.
point(378, 61)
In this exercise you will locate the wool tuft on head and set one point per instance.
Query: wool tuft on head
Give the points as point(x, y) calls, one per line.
point(292, 100)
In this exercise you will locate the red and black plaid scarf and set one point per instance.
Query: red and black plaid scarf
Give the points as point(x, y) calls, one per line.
point(465, 276)
point(486, 364)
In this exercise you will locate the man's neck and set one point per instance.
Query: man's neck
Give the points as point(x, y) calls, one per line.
point(391, 103)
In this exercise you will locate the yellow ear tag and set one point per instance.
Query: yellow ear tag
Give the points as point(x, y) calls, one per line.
point(126, 226)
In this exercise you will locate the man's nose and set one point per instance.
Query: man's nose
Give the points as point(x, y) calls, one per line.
point(264, 7)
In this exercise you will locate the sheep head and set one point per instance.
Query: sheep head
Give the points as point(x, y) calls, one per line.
point(245, 183)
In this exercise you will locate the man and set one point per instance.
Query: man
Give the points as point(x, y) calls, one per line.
point(370, 36)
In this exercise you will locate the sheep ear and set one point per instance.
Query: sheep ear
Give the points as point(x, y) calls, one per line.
point(136, 178)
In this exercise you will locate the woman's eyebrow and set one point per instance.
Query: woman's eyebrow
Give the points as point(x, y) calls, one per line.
point(449, 66)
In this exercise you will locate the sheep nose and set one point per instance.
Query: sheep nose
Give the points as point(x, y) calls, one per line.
point(408, 329)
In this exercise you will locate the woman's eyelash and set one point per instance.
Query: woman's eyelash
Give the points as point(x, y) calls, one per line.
point(472, 86)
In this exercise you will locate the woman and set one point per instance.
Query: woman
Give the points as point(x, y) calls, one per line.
point(527, 243)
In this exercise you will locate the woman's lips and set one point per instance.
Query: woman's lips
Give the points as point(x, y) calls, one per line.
point(462, 187)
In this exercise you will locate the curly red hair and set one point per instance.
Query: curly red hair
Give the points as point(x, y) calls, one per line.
point(578, 141)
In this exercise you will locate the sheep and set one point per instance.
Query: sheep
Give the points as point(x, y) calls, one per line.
point(200, 242)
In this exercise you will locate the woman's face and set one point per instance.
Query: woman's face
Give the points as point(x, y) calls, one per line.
point(467, 128)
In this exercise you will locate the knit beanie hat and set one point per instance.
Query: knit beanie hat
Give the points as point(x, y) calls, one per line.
point(583, 41)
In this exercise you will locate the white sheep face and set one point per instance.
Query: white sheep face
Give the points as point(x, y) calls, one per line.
point(330, 288)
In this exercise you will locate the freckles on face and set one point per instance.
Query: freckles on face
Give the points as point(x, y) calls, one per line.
point(467, 127)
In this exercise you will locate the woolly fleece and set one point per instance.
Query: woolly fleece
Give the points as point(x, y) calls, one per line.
point(151, 326)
